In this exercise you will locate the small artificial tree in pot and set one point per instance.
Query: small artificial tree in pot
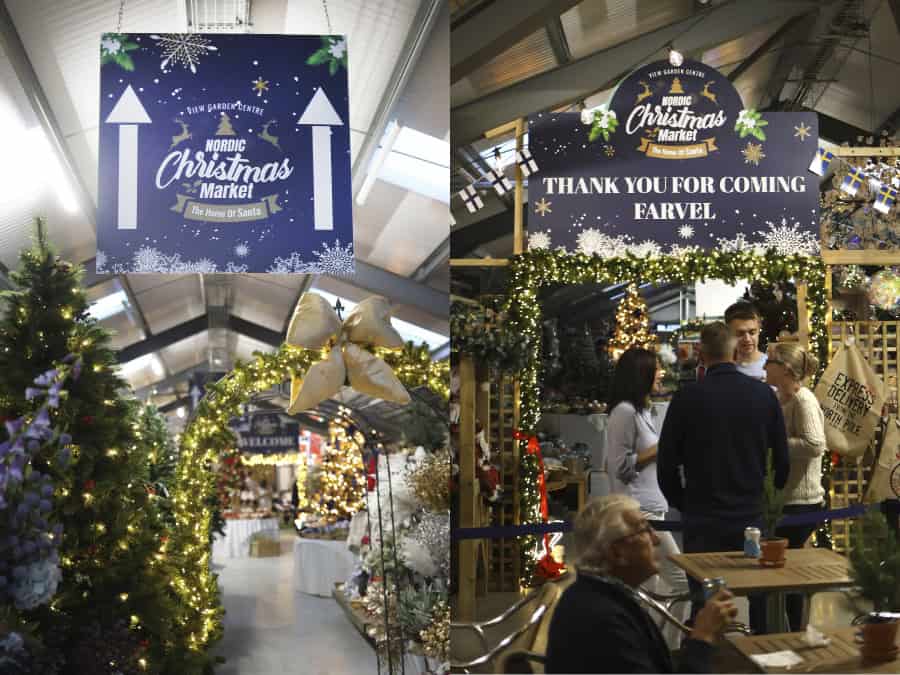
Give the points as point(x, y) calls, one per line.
point(771, 546)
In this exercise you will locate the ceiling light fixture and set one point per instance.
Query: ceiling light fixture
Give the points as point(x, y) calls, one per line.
point(381, 154)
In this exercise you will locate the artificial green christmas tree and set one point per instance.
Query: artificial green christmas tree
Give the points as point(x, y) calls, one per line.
point(632, 324)
point(342, 483)
point(114, 604)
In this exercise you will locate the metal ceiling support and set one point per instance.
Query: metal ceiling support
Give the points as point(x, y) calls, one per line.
point(217, 293)
point(418, 35)
point(172, 380)
point(464, 240)
point(15, 52)
point(497, 27)
point(254, 330)
point(176, 404)
point(556, 35)
point(576, 80)
point(787, 27)
point(304, 286)
point(435, 259)
point(400, 290)
point(161, 340)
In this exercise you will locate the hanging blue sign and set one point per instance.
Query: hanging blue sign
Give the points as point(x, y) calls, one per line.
point(268, 434)
point(674, 162)
point(224, 153)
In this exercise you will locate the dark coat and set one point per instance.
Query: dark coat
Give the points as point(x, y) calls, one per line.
point(720, 430)
point(598, 627)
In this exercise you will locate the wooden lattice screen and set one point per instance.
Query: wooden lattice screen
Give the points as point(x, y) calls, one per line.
point(879, 341)
point(504, 556)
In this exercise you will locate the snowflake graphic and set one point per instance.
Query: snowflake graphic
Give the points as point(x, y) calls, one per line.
point(677, 250)
point(739, 243)
point(646, 249)
point(234, 268)
point(149, 259)
point(686, 231)
point(753, 153)
point(183, 48)
point(337, 49)
point(789, 239)
point(101, 261)
point(202, 266)
point(539, 240)
point(337, 259)
point(242, 250)
point(110, 45)
point(292, 265)
point(595, 242)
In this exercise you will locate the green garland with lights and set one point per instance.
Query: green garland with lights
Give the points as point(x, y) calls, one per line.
point(208, 436)
point(531, 271)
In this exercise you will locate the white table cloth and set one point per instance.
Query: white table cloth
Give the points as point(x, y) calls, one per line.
point(319, 564)
point(236, 543)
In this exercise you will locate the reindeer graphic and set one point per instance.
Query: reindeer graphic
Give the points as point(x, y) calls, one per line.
point(183, 136)
point(707, 93)
point(267, 137)
point(644, 94)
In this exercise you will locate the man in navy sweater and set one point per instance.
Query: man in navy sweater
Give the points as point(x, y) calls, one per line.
point(719, 431)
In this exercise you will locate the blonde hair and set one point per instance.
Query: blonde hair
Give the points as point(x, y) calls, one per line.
point(599, 524)
point(799, 363)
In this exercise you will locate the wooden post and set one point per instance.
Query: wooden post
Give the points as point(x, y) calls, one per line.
point(518, 214)
point(828, 311)
point(468, 492)
point(483, 415)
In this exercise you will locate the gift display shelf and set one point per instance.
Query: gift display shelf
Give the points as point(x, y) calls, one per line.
point(356, 615)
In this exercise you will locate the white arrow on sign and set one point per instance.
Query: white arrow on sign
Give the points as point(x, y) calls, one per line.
point(321, 115)
point(128, 113)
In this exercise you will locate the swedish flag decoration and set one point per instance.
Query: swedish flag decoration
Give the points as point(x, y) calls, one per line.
point(887, 197)
point(821, 161)
point(852, 181)
point(471, 198)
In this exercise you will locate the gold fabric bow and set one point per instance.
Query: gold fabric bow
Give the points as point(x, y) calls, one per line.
point(315, 324)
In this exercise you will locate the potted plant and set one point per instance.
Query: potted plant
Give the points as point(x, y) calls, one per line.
point(875, 570)
point(772, 548)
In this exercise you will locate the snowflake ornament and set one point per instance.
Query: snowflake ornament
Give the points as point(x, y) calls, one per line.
point(338, 48)
point(595, 242)
point(335, 259)
point(789, 239)
point(101, 261)
point(646, 249)
point(753, 153)
point(242, 250)
point(739, 243)
point(110, 45)
point(183, 48)
point(686, 231)
point(539, 240)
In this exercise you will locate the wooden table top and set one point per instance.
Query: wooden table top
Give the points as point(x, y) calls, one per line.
point(841, 656)
point(806, 569)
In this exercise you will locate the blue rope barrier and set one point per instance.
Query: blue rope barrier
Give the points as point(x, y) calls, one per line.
point(538, 529)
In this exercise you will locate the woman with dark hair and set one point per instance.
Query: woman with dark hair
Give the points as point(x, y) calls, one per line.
point(632, 435)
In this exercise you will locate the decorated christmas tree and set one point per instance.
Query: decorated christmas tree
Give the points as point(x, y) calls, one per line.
point(342, 482)
point(113, 553)
point(632, 324)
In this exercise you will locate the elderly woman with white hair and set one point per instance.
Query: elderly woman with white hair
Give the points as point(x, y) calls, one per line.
point(599, 626)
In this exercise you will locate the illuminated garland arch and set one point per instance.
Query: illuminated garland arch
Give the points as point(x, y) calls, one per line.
point(531, 271)
point(208, 434)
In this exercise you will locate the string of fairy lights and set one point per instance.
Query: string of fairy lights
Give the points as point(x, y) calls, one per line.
point(535, 269)
point(208, 435)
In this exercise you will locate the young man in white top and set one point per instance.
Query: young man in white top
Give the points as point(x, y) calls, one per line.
point(743, 320)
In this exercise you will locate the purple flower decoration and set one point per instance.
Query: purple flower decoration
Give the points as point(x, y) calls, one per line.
point(53, 395)
point(46, 490)
point(13, 426)
point(76, 369)
point(33, 392)
point(44, 506)
point(47, 378)
point(71, 356)
point(4, 448)
point(65, 439)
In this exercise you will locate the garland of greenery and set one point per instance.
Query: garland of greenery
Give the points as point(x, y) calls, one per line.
point(531, 271)
point(208, 436)
point(483, 333)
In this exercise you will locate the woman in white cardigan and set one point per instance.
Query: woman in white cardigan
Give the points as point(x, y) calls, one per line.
point(787, 368)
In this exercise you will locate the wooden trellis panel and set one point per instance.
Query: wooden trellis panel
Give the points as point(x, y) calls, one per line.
point(504, 556)
point(879, 341)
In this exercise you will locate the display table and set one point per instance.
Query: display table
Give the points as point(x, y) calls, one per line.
point(806, 570)
point(841, 656)
point(321, 563)
point(236, 543)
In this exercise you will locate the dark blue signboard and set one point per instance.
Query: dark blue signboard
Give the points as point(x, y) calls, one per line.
point(224, 153)
point(268, 434)
point(674, 162)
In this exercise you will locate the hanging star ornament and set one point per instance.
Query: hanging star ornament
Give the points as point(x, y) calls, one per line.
point(260, 85)
point(753, 153)
point(801, 131)
point(543, 207)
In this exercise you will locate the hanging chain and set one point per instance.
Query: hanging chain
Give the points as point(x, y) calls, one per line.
point(121, 12)
point(327, 18)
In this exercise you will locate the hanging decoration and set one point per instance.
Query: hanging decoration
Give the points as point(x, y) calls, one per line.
point(884, 289)
point(471, 198)
point(315, 325)
point(526, 162)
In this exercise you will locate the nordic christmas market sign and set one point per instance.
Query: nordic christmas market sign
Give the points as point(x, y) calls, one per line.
point(675, 161)
point(224, 153)
point(268, 435)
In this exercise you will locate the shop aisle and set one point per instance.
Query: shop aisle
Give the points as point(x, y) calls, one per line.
point(270, 629)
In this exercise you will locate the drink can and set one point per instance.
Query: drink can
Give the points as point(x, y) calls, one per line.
point(712, 586)
point(751, 542)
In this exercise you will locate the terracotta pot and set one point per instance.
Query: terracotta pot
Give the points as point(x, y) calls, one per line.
point(880, 641)
point(772, 552)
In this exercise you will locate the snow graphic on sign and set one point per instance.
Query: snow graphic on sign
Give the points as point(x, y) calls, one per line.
point(203, 172)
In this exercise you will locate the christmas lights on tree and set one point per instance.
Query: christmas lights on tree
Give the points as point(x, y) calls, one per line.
point(342, 479)
point(632, 324)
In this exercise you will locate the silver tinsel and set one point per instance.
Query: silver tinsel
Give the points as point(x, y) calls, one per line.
point(432, 532)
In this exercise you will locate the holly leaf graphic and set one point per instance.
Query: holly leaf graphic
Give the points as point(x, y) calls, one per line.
point(333, 67)
point(318, 57)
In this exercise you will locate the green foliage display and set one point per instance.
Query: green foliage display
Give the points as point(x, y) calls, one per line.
point(114, 558)
point(773, 500)
point(875, 562)
point(482, 332)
